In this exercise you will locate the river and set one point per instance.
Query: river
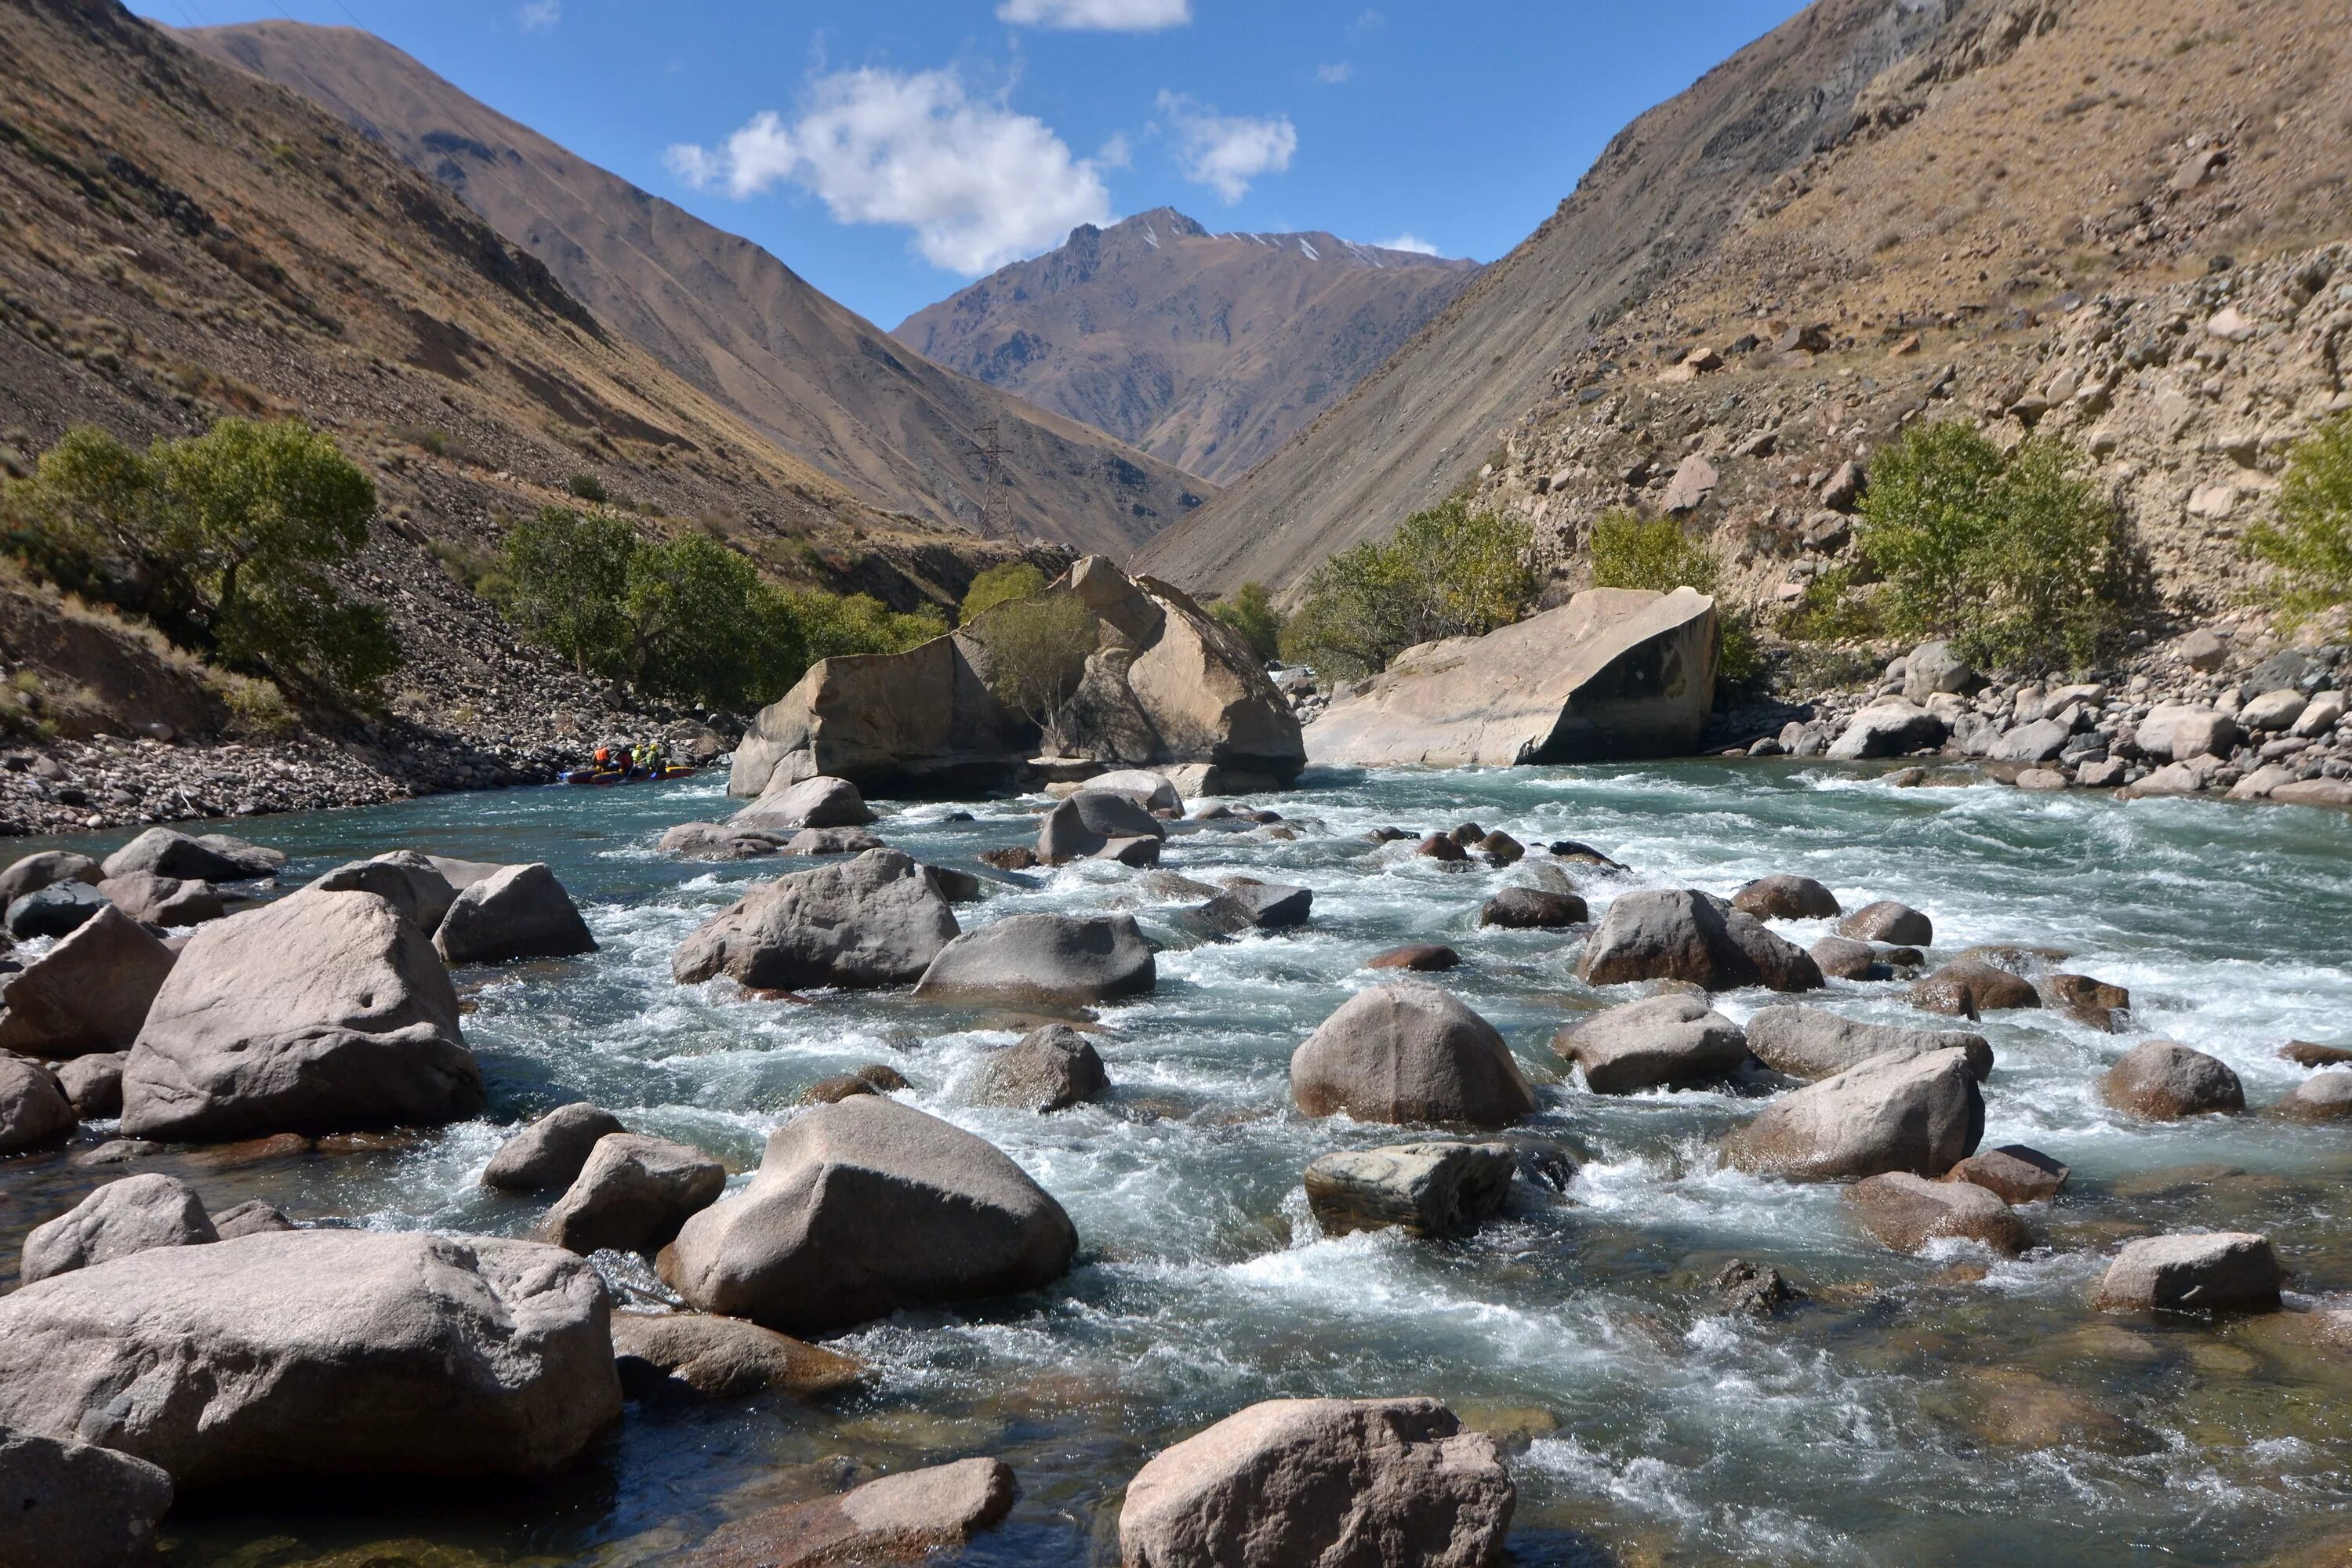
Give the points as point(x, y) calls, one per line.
point(1950, 1408)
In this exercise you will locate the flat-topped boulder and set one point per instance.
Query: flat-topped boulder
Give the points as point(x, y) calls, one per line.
point(319, 1352)
point(1695, 937)
point(861, 1209)
point(1920, 1114)
point(1815, 1043)
point(1159, 682)
point(818, 801)
point(319, 1013)
point(2218, 1272)
point(1409, 1053)
point(89, 993)
point(1659, 1042)
point(1070, 961)
point(1368, 1483)
point(1613, 673)
point(873, 920)
point(1423, 1189)
point(215, 857)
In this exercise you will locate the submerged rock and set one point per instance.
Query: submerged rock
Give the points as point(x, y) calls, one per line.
point(1425, 1189)
point(1815, 1042)
point(1409, 1053)
point(550, 1152)
point(2163, 1080)
point(2222, 1272)
point(1920, 1114)
point(1054, 960)
point(688, 1353)
point(1908, 1212)
point(319, 1352)
point(1421, 957)
point(119, 1219)
point(1371, 1483)
point(862, 1208)
point(320, 1013)
point(1658, 1042)
point(1613, 673)
point(903, 1518)
point(1692, 936)
point(874, 921)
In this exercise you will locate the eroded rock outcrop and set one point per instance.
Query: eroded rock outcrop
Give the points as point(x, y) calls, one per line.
point(1614, 672)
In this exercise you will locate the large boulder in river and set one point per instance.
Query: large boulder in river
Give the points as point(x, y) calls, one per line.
point(407, 880)
point(631, 1195)
point(1423, 1189)
point(1051, 1068)
point(1692, 936)
point(1815, 1042)
point(1160, 682)
point(1908, 1212)
point(320, 1013)
point(1920, 1114)
point(1613, 673)
point(521, 911)
point(167, 853)
point(34, 872)
point(1658, 1042)
point(1068, 961)
point(1091, 821)
point(1783, 896)
point(121, 1217)
point(1409, 1053)
point(54, 910)
point(2163, 1080)
point(819, 802)
point(874, 921)
point(34, 1109)
point(319, 1352)
point(89, 993)
point(1367, 1483)
point(1891, 729)
point(77, 1505)
point(163, 901)
point(2220, 1272)
point(863, 1207)
point(551, 1150)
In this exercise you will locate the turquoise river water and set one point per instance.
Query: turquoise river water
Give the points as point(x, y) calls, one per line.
point(1946, 1409)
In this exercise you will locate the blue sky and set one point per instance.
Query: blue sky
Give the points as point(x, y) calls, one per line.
point(891, 151)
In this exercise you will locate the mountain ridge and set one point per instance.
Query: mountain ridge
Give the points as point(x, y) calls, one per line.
point(1206, 348)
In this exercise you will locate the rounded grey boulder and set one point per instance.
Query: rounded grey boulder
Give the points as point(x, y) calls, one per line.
point(632, 1195)
point(1655, 1042)
point(94, 1083)
point(1888, 922)
point(863, 1207)
point(1920, 1114)
point(1908, 1212)
point(1055, 960)
point(521, 911)
point(76, 1505)
point(89, 993)
point(319, 1352)
point(119, 1219)
point(2163, 1080)
point(2222, 1272)
point(166, 853)
point(34, 1109)
point(320, 1013)
point(2322, 1097)
point(1369, 1483)
point(819, 802)
point(1815, 1042)
point(55, 910)
point(34, 872)
point(551, 1152)
point(1786, 898)
point(1092, 821)
point(406, 879)
point(1692, 936)
point(1049, 1068)
point(1533, 908)
point(1409, 1053)
point(874, 921)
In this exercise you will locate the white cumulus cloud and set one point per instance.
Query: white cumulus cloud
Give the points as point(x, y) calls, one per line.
point(979, 184)
point(540, 15)
point(1227, 152)
point(1414, 243)
point(1097, 15)
point(1333, 74)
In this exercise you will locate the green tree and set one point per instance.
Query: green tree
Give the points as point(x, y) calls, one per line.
point(834, 623)
point(2013, 554)
point(1251, 611)
point(1448, 572)
point(998, 585)
point(1632, 552)
point(567, 579)
point(2309, 542)
point(694, 628)
point(1037, 650)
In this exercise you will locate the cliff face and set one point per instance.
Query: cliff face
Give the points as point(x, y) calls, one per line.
point(1207, 350)
point(878, 423)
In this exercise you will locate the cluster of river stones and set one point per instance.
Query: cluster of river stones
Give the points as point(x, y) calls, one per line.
point(153, 1347)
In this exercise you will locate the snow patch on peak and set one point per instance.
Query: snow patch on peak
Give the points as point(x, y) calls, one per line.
point(1307, 249)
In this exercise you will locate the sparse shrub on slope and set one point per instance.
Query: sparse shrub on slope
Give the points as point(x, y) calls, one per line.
point(1000, 585)
point(2309, 545)
point(1448, 572)
point(1630, 551)
point(2015, 554)
point(1252, 613)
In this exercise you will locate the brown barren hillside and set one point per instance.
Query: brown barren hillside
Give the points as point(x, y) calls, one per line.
point(1660, 197)
point(1207, 350)
point(820, 382)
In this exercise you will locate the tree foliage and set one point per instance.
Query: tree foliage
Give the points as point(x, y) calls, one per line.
point(1038, 648)
point(1001, 584)
point(1632, 552)
point(2309, 544)
point(681, 617)
point(1252, 613)
point(2013, 554)
point(1448, 572)
point(223, 540)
